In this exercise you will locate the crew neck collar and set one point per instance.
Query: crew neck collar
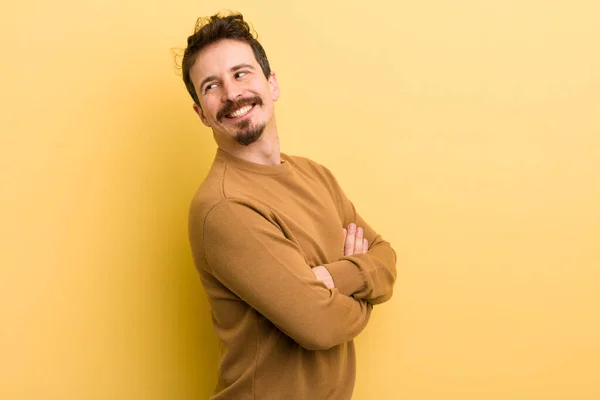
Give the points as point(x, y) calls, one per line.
point(263, 169)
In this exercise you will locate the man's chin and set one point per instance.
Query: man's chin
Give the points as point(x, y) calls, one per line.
point(248, 137)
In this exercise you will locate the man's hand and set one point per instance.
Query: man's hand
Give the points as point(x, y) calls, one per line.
point(354, 243)
point(324, 276)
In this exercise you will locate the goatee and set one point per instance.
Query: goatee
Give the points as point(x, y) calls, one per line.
point(249, 134)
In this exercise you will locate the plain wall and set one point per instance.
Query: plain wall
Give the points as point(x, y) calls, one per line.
point(467, 133)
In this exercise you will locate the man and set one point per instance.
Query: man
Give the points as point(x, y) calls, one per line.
point(288, 285)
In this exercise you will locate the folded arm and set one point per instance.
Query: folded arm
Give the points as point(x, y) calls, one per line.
point(246, 250)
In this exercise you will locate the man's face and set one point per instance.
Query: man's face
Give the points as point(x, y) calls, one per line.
point(236, 100)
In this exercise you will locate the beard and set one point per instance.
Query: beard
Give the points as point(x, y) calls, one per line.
point(248, 134)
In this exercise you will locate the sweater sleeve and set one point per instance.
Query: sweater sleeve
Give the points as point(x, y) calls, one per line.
point(369, 276)
point(248, 252)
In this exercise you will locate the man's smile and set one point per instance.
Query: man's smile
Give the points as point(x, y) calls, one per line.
point(239, 109)
point(240, 112)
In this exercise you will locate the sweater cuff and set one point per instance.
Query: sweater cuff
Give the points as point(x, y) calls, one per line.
point(347, 277)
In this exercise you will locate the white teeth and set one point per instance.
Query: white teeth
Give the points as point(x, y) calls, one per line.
point(240, 112)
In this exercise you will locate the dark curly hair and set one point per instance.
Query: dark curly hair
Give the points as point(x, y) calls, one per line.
point(212, 29)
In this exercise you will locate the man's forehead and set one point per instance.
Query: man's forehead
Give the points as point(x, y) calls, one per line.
point(224, 55)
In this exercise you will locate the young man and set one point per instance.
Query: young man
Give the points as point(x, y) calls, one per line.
point(288, 285)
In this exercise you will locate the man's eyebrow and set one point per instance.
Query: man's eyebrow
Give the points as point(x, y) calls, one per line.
point(241, 66)
point(232, 69)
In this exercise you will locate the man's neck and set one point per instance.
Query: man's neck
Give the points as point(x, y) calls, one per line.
point(264, 151)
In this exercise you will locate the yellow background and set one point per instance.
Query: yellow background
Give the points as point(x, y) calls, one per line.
point(467, 133)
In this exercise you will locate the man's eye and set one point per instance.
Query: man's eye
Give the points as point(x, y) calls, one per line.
point(209, 86)
point(240, 74)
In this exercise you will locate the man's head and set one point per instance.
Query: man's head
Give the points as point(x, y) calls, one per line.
point(226, 71)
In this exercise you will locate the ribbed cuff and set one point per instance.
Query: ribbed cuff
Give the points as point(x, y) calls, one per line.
point(347, 277)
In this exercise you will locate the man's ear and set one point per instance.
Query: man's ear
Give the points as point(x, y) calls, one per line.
point(200, 113)
point(274, 86)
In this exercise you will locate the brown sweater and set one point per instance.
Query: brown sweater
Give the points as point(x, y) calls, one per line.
point(256, 231)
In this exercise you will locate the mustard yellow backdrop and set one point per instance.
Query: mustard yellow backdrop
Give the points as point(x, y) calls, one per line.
point(467, 132)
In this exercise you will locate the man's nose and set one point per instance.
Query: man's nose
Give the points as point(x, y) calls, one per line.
point(231, 91)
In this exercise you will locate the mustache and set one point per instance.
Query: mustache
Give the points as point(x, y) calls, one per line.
point(231, 106)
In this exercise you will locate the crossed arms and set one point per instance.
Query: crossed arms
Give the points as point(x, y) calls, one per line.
point(248, 249)
point(354, 243)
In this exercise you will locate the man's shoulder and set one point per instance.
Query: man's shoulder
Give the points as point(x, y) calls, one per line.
point(220, 186)
point(304, 163)
point(210, 192)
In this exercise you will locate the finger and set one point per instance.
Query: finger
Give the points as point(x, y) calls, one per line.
point(365, 245)
point(345, 233)
point(358, 244)
point(350, 238)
